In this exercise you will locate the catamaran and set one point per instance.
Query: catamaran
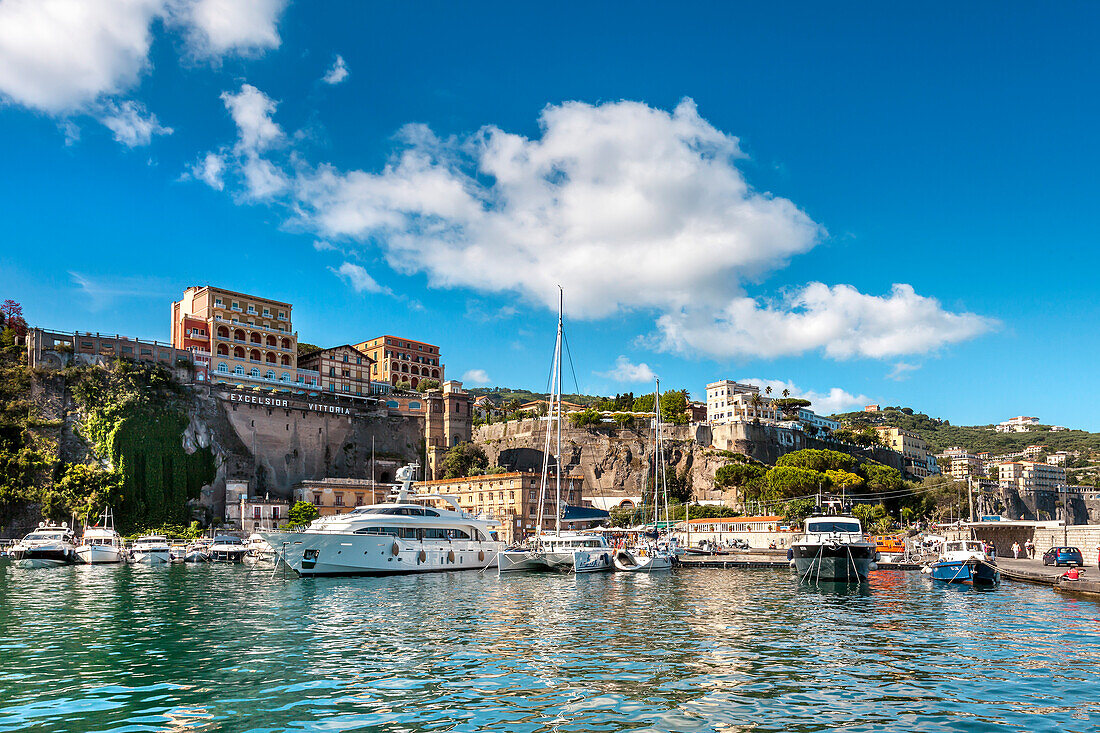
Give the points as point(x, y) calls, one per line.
point(646, 553)
point(556, 549)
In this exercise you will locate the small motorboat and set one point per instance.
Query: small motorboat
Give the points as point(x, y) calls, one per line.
point(101, 544)
point(642, 559)
point(891, 548)
point(198, 551)
point(151, 549)
point(49, 546)
point(259, 551)
point(227, 548)
point(964, 561)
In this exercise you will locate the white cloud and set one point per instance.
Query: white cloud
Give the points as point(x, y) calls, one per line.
point(132, 124)
point(476, 377)
point(337, 73)
point(359, 278)
point(209, 170)
point(632, 207)
point(625, 371)
point(217, 28)
point(252, 112)
point(901, 371)
point(72, 57)
point(839, 320)
point(823, 403)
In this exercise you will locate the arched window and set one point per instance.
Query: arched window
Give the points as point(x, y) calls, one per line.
point(414, 370)
point(270, 358)
point(254, 337)
point(238, 369)
point(270, 340)
point(238, 352)
point(270, 374)
point(254, 355)
point(393, 379)
point(285, 377)
point(413, 382)
point(238, 335)
point(254, 372)
point(286, 343)
point(223, 350)
point(285, 360)
point(223, 367)
point(414, 405)
point(435, 373)
point(223, 332)
point(405, 368)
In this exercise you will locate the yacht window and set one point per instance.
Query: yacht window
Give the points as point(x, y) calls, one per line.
point(457, 534)
point(833, 526)
point(435, 533)
point(408, 533)
point(430, 513)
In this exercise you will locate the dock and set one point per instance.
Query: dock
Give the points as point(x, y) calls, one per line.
point(1029, 571)
point(761, 559)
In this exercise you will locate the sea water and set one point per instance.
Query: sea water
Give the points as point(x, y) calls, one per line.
point(228, 648)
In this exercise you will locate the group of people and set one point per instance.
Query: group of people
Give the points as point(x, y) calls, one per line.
point(1028, 548)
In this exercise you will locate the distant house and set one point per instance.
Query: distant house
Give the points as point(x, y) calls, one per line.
point(871, 408)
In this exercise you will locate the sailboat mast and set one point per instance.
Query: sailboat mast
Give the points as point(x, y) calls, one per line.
point(660, 457)
point(557, 364)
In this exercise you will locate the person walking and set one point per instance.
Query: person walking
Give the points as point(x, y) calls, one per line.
point(1015, 550)
point(1029, 549)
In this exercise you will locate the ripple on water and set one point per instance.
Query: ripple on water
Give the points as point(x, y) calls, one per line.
point(117, 649)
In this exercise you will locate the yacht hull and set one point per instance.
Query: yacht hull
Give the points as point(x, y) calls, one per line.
point(967, 572)
point(320, 553)
point(833, 562)
point(563, 561)
point(43, 558)
point(630, 562)
point(154, 557)
point(98, 554)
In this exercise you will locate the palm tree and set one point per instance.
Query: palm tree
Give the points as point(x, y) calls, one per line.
point(756, 400)
point(786, 393)
point(768, 390)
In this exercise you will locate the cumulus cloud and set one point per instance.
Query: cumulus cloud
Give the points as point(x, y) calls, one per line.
point(823, 403)
point(337, 72)
point(358, 278)
point(209, 170)
point(217, 28)
point(257, 133)
point(634, 208)
point(476, 377)
point(625, 371)
point(72, 57)
point(840, 321)
point(132, 124)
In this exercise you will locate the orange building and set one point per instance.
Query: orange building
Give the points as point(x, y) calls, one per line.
point(399, 359)
point(248, 340)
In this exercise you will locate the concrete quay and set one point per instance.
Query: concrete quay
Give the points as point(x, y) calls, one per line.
point(761, 559)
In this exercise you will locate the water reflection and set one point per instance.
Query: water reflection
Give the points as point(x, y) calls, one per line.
point(226, 648)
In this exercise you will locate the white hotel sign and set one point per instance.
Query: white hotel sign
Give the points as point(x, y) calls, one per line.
point(287, 404)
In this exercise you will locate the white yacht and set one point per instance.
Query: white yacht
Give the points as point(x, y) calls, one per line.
point(555, 549)
point(151, 549)
point(258, 549)
point(227, 548)
point(833, 548)
point(405, 536)
point(101, 544)
point(49, 546)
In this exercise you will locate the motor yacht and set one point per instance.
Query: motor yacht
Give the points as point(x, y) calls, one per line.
point(49, 546)
point(833, 548)
point(151, 550)
point(227, 548)
point(964, 561)
point(258, 549)
point(198, 551)
point(407, 535)
point(101, 544)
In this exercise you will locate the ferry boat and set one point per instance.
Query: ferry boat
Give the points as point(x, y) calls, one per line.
point(49, 546)
point(227, 549)
point(401, 537)
point(101, 544)
point(151, 549)
point(964, 561)
point(833, 548)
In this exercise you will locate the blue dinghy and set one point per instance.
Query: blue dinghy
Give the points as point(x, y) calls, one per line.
point(963, 561)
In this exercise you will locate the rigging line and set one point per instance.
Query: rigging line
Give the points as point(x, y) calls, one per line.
point(569, 354)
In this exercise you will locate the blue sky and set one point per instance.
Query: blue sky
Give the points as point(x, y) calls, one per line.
point(865, 203)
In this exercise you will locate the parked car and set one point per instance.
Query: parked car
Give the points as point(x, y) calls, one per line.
point(1063, 556)
point(740, 544)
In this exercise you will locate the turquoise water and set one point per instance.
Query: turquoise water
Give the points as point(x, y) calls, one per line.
point(228, 649)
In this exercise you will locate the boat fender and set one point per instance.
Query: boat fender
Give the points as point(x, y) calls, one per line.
point(873, 566)
point(480, 555)
point(422, 556)
point(451, 556)
point(396, 550)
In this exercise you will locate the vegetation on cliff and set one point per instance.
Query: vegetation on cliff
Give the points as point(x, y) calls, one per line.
point(27, 455)
point(133, 416)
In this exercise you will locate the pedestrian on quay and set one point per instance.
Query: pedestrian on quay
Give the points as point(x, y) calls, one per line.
point(1015, 550)
point(1029, 549)
point(992, 552)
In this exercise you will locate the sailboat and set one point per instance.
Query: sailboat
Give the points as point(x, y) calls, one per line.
point(646, 553)
point(556, 549)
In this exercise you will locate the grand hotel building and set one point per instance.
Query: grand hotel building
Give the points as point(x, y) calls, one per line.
point(396, 359)
point(244, 340)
